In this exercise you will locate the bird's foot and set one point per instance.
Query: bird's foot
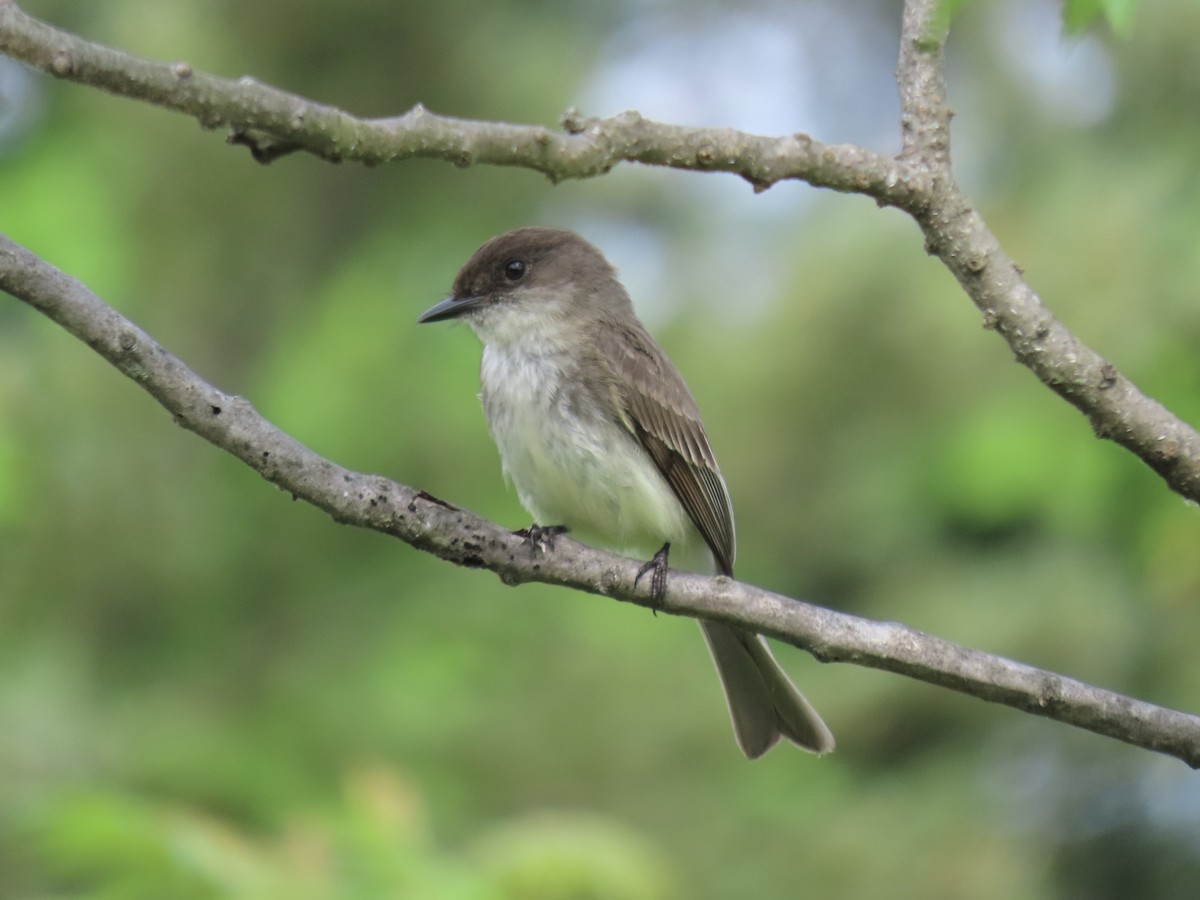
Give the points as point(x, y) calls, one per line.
point(540, 538)
point(657, 569)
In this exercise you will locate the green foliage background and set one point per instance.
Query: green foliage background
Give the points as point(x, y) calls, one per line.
point(209, 690)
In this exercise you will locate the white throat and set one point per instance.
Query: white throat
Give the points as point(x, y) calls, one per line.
point(561, 443)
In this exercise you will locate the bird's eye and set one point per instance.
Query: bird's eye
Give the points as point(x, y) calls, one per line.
point(514, 269)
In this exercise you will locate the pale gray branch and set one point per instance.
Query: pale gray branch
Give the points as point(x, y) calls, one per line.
point(920, 77)
point(920, 181)
point(273, 122)
point(371, 501)
point(956, 233)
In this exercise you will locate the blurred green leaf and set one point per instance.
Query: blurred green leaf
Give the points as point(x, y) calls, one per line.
point(547, 856)
point(1078, 15)
point(944, 15)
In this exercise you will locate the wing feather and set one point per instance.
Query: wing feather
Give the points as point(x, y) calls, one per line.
point(662, 415)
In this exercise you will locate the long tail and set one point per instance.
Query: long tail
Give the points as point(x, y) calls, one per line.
point(763, 702)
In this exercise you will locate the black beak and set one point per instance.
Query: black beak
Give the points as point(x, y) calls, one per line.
point(450, 308)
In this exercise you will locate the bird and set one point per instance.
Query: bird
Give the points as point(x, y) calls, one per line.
point(600, 435)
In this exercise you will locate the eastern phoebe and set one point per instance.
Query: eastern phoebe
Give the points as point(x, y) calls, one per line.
point(598, 432)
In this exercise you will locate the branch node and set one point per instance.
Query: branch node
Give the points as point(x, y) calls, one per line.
point(60, 63)
point(265, 148)
point(630, 118)
point(610, 580)
point(573, 121)
point(1108, 376)
point(1168, 451)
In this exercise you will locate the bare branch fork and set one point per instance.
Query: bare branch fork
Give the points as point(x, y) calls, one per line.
point(272, 122)
point(919, 181)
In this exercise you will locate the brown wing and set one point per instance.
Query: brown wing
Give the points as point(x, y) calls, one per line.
point(660, 412)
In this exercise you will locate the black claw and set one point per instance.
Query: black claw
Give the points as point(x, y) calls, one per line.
point(540, 538)
point(657, 567)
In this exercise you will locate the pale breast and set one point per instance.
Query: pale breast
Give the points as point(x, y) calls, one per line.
point(571, 463)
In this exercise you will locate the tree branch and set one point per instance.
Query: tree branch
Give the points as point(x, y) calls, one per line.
point(273, 122)
point(921, 182)
point(956, 233)
point(920, 77)
point(371, 501)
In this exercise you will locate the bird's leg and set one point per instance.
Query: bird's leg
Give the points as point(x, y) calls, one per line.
point(657, 567)
point(541, 537)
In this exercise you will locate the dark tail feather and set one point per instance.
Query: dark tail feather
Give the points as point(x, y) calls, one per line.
point(763, 702)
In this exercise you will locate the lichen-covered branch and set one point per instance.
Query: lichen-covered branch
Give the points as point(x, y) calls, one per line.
point(371, 501)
